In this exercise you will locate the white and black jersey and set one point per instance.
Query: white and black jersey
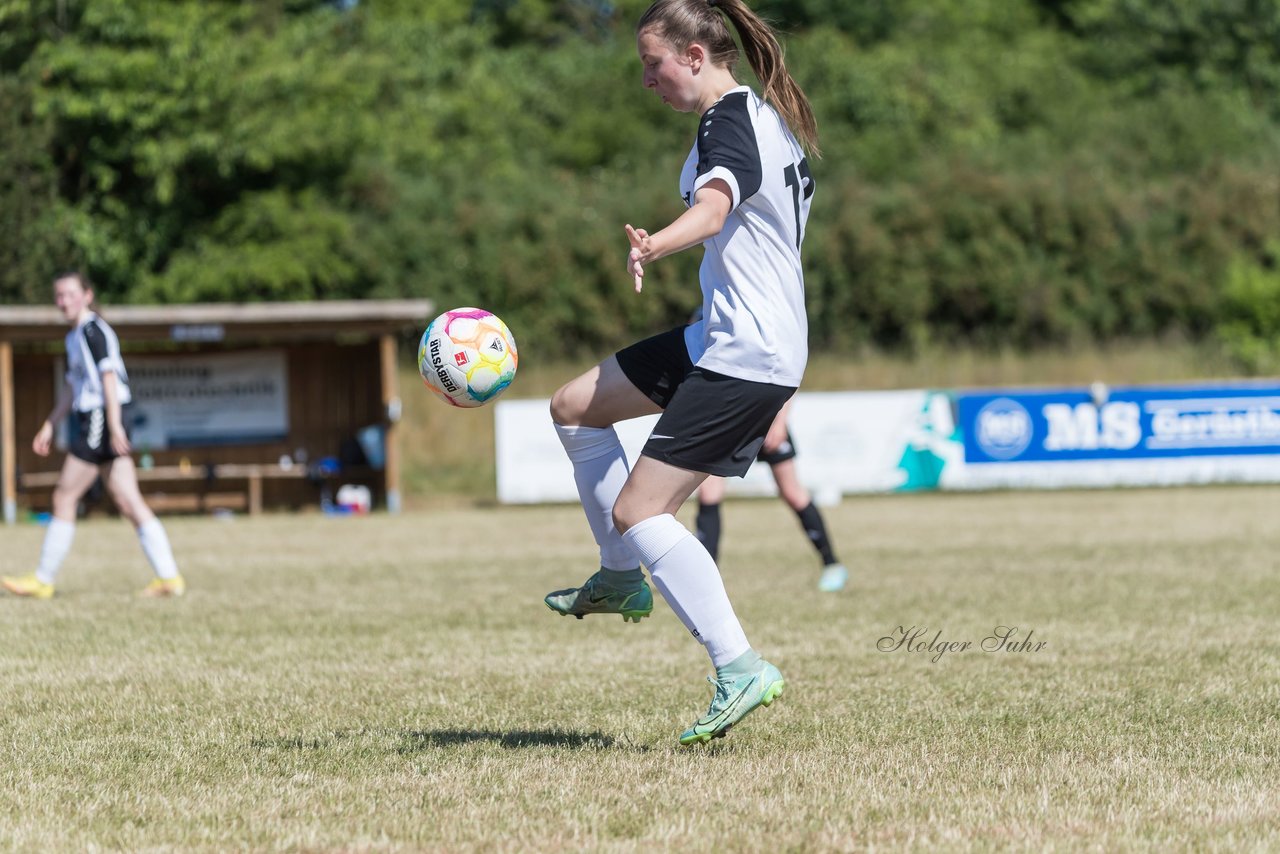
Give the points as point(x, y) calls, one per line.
point(92, 350)
point(754, 325)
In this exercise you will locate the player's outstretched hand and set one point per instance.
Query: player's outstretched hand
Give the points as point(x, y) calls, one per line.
point(639, 239)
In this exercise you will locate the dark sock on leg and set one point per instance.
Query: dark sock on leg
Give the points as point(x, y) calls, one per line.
point(816, 530)
point(708, 528)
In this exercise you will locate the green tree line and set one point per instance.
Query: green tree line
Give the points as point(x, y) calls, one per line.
point(996, 172)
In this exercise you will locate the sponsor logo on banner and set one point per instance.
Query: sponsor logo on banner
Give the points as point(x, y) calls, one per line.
point(1129, 423)
point(1003, 429)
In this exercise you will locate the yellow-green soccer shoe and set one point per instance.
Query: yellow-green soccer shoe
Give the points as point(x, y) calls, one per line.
point(741, 687)
point(606, 592)
point(164, 588)
point(28, 586)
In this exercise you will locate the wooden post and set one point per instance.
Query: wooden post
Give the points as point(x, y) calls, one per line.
point(255, 491)
point(8, 441)
point(391, 410)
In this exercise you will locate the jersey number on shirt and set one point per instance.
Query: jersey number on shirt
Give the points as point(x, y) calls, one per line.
point(797, 175)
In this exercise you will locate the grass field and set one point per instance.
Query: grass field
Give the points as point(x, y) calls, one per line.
point(395, 683)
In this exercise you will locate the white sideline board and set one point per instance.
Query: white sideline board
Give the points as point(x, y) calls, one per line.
point(847, 442)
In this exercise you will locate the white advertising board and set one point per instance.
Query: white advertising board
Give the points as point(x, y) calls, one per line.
point(209, 399)
point(847, 442)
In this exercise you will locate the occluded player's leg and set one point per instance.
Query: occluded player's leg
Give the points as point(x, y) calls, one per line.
point(584, 411)
point(782, 463)
point(707, 524)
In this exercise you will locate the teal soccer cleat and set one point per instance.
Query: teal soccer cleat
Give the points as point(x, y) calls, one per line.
point(628, 595)
point(833, 578)
point(740, 689)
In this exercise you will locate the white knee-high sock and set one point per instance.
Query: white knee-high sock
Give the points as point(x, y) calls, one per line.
point(155, 545)
point(690, 581)
point(57, 543)
point(600, 469)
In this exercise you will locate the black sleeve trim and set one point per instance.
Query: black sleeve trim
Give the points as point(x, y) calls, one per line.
point(96, 340)
point(727, 140)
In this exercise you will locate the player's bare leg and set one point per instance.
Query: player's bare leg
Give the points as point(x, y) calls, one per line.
point(122, 483)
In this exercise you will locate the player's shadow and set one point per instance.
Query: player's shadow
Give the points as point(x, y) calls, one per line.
point(408, 742)
point(419, 740)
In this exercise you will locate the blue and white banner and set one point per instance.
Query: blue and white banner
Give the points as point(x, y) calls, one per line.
point(896, 441)
point(1123, 423)
point(1148, 435)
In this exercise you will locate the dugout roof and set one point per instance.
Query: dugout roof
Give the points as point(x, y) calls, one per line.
point(199, 322)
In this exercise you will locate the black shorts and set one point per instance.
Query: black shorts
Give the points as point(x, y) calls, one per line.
point(710, 423)
point(91, 436)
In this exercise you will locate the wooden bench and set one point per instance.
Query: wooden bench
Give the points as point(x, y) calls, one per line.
point(196, 502)
point(250, 498)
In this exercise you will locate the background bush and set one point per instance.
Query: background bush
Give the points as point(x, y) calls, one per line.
point(997, 172)
point(1250, 315)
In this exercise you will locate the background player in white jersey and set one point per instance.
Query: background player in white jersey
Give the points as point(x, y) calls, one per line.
point(779, 452)
point(97, 391)
point(720, 382)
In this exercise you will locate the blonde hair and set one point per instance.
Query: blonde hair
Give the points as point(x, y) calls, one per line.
point(683, 22)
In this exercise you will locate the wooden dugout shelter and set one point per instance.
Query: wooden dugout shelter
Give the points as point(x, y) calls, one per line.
point(336, 361)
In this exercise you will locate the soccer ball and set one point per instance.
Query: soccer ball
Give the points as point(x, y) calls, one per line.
point(467, 356)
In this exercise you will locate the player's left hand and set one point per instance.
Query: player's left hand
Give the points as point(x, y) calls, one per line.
point(639, 249)
point(43, 440)
point(120, 443)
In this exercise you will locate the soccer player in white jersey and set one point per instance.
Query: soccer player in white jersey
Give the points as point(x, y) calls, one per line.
point(97, 391)
point(720, 382)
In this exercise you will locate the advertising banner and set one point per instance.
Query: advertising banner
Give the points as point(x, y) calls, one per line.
point(1121, 436)
point(1123, 423)
point(209, 399)
point(847, 442)
point(896, 441)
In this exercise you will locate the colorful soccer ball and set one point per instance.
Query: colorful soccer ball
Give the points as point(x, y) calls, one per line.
point(467, 356)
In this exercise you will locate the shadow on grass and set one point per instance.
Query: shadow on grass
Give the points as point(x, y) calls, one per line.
point(416, 741)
